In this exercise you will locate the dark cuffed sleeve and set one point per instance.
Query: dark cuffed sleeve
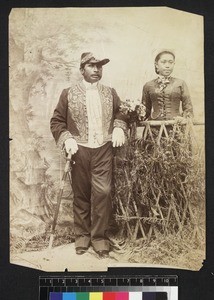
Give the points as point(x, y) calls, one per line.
point(120, 119)
point(186, 101)
point(58, 123)
point(146, 101)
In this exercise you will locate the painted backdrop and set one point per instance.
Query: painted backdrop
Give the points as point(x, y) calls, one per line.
point(45, 45)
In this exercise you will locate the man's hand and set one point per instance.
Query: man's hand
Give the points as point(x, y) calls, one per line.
point(71, 145)
point(118, 137)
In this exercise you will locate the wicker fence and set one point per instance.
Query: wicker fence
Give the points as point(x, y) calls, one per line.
point(159, 182)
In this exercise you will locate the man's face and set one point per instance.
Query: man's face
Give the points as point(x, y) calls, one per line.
point(92, 72)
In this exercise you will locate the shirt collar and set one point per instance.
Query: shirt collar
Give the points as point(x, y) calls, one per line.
point(90, 86)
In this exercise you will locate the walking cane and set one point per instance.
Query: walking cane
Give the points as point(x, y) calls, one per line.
point(59, 198)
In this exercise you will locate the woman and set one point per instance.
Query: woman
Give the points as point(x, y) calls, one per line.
point(168, 160)
point(162, 96)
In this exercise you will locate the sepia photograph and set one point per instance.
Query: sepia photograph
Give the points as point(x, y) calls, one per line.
point(107, 144)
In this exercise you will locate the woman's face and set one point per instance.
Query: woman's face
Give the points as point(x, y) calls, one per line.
point(165, 64)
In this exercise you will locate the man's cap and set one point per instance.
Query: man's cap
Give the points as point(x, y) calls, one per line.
point(89, 57)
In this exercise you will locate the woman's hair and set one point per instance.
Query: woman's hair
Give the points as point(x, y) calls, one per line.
point(159, 56)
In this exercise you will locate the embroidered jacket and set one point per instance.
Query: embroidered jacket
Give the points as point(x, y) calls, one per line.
point(70, 116)
point(163, 101)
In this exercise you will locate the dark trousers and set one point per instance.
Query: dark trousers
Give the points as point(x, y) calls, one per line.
point(91, 181)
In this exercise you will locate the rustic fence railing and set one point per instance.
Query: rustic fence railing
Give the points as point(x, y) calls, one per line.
point(159, 181)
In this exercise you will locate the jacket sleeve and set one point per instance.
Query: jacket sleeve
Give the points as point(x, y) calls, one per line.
point(146, 101)
point(58, 123)
point(186, 101)
point(120, 119)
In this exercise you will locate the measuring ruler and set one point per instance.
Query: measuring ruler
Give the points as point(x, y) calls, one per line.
point(109, 287)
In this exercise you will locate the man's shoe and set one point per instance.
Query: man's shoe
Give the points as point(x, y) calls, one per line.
point(103, 253)
point(81, 250)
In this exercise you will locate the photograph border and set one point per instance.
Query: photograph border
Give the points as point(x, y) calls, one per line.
point(194, 284)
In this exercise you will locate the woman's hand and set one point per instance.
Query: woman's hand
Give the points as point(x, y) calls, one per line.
point(180, 120)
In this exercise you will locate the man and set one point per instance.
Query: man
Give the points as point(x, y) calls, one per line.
point(87, 122)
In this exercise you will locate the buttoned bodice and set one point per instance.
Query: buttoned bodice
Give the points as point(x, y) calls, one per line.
point(164, 102)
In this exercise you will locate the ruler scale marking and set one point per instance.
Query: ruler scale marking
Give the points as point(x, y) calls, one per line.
point(127, 287)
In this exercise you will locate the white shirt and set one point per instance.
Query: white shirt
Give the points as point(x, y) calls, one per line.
point(94, 113)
